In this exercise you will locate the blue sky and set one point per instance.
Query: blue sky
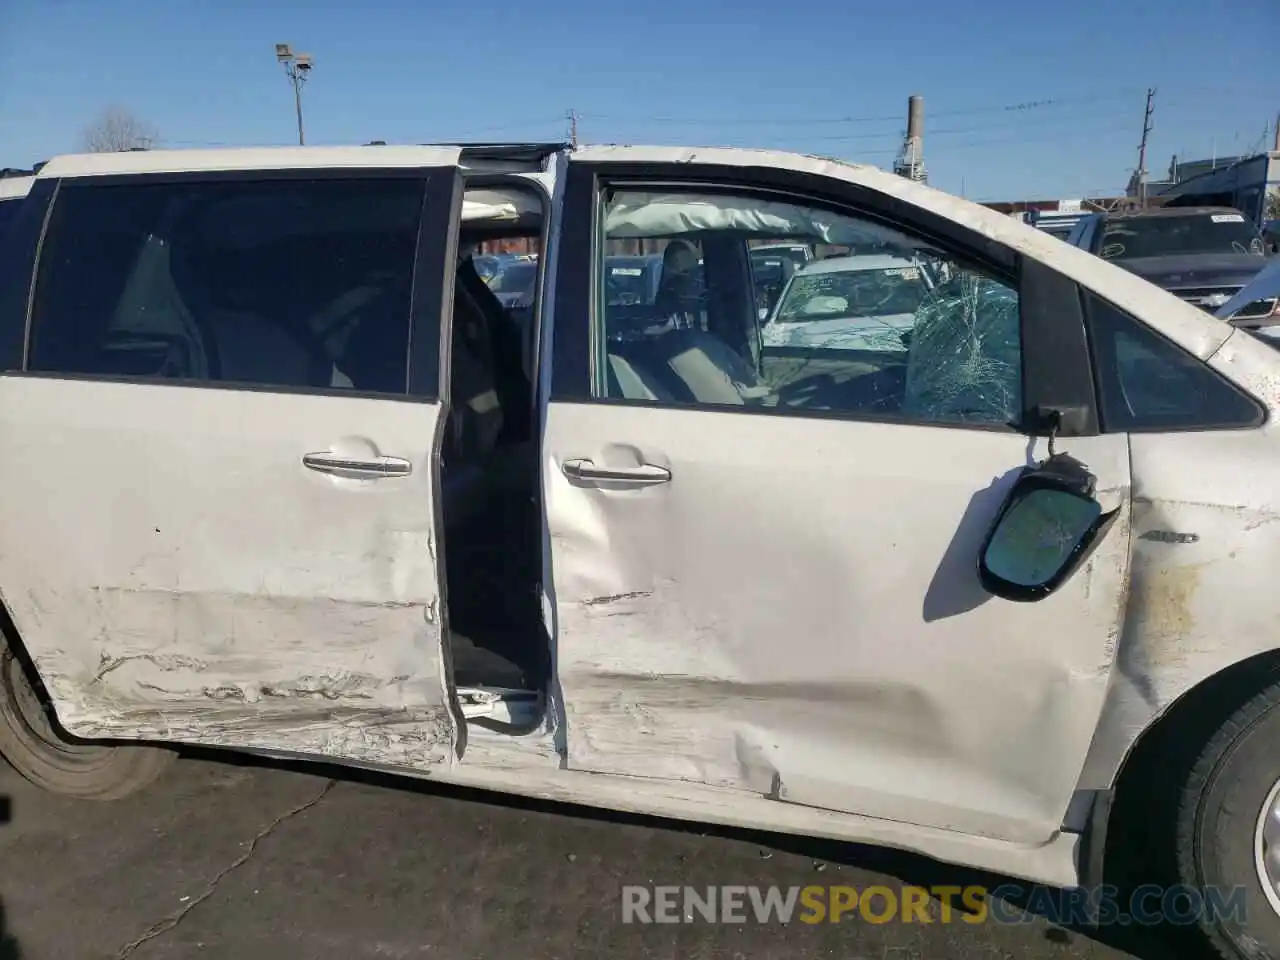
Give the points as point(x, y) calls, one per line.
point(829, 78)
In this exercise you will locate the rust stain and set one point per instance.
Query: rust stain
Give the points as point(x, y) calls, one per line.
point(1166, 596)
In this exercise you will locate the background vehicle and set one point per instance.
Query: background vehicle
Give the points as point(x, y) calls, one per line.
point(1271, 234)
point(632, 281)
point(860, 302)
point(14, 185)
point(488, 265)
point(1055, 224)
point(772, 265)
point(514, 281)
point(1204, 255)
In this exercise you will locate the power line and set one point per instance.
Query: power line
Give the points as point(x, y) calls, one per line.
point(1061, 137)
point(1082, 119)
point(1021, 108)
point(879, 118)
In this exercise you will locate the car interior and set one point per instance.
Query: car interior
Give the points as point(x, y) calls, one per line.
point(489, 461)
point(700, 340)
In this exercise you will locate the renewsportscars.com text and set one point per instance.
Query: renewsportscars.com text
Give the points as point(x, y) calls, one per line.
point(1009, 903)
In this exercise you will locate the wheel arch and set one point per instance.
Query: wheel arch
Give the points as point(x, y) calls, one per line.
point(1160, 756)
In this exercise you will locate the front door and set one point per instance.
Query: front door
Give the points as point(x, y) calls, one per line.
point(765, 543)
point(219, 524)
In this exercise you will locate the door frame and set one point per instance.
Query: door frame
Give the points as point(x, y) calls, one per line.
point(430, 322)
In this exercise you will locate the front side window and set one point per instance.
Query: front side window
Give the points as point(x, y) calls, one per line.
point(290, 283)
point(887, 327)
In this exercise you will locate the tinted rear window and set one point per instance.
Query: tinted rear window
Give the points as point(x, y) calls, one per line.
point(295, 283)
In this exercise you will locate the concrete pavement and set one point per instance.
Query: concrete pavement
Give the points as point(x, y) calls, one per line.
point(254, 862)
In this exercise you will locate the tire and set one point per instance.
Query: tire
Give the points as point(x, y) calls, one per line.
point(1217, 822)
point(36, 748)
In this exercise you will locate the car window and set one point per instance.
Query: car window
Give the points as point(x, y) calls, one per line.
point(1147, 383)
point(1224, 231)
point(893, 329)
point(293, 283)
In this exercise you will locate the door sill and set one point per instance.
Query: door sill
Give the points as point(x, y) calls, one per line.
point(501, 708)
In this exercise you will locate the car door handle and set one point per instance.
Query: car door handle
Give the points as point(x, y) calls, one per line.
point(360, 467)
point(645, 474)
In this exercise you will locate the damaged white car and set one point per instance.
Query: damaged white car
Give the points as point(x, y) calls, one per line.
point(282, 475)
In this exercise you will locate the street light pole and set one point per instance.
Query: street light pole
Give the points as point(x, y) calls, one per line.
point(297, 67)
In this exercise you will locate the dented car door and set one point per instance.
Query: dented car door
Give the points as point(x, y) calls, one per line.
point(778, 595)
point(219, 459)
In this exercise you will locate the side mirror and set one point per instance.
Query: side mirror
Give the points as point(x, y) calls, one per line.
point(1046, 528)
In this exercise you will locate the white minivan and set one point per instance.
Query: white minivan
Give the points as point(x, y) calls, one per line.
point(282, 475)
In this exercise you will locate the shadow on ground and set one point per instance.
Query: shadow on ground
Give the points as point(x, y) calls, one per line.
point(8, 945)
point(1141, 942)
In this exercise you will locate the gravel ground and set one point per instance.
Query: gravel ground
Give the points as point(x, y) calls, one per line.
point(255, 862)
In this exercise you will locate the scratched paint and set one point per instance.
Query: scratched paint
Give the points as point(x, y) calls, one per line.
point(1196, 606)
point(834, 650)
point(260, 606)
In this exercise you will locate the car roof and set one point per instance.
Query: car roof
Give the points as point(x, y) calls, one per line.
point(15, 188)
point(857, 263)
point(134, 162)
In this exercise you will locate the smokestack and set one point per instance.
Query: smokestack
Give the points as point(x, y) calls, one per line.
point(915, 122)
point(910, 162)
point(1277, 139)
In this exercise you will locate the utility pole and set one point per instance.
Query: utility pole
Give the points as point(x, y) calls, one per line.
point(1142, 148)
point(572, 117)
point(297, 67)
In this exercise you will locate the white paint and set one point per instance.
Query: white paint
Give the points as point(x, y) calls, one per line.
point(528, 766)
point(246, 158)
point(181, 575)
point(790, 615)
point(1180, 627)
point(15, 188)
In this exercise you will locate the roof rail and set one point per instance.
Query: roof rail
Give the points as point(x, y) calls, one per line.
point(17, 172)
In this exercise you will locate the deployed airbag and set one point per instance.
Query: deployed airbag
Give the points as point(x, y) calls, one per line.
point(666, 215)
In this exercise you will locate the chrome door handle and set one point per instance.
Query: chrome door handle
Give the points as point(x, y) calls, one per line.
point(645, 474)
point(364, 468)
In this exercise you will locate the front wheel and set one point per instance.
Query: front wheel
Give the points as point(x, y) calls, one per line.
point(30, 741)
point(1228, 831)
